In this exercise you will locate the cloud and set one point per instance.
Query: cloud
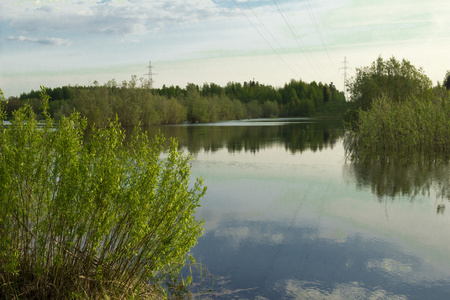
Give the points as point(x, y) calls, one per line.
point(387, 21)
point(45, 41)
point(110, 17)
point(45, 8)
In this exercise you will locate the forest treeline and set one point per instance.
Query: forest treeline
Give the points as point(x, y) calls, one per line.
point(133, 102)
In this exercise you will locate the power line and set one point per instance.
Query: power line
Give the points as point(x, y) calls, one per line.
point(297, 38)
point(259, 32)
point(315, 66)
point(273, 37)
point(316, 26)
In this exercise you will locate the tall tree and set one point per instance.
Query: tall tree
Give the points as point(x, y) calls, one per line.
point(447, 80)
point(326, 93)
point(397, 81)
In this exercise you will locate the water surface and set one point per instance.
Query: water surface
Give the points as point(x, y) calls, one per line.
point(288, 217)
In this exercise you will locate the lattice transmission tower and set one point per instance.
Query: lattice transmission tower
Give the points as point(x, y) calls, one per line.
point(345, 68)
point(150, 74)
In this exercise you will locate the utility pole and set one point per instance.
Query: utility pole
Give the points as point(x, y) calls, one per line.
point(150, 74)
point(345, 68)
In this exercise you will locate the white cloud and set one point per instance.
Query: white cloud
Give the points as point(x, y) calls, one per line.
point(111, 32)
point(45, 8)
point(113, 17)
point(43, 41)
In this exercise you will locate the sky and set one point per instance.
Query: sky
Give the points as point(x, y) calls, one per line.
point(59, 42)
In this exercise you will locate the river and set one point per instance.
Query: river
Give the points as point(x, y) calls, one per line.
point(287, 216)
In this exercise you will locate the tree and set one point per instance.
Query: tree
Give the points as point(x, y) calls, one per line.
point(239, 109)
point(447, 81)
point(327, 95)
point(95, 104)
point(294, 103)
point(316, 94)
point(91, 216)
point(333, 88)
point(396, 81)
point(254, 109)
point(270, 109)
point(197, 106)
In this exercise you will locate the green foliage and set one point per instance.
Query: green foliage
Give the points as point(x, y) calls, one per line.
point(2, 97)
point(447, 80)
point(90, 218)
point(270, 109)
point(136, 104)
point(169, 111)
point(397, 117)
point(395, 81)
point(402, 130)
point(254, 110)
point(239, 110)
point(198, 106)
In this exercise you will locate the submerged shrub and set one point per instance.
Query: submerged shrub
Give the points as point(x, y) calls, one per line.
point(405, 129)
point(90, 217)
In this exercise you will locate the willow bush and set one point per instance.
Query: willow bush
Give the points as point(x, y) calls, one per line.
point(402, 129)
point(89, 217)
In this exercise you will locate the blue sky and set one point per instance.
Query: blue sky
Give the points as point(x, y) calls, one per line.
point(59, 42)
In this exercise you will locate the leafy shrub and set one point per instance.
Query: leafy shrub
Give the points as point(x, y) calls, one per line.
point(402, 129)
point(396, 81)
point(90, 217)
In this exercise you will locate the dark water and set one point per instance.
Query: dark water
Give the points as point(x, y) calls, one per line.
point(288, 217)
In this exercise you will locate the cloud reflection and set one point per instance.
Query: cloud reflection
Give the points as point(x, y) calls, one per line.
point(296, 261)
point(297, 289)
point(236, 235)
point(390, 267)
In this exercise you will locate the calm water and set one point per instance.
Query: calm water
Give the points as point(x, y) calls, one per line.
point(287, 217)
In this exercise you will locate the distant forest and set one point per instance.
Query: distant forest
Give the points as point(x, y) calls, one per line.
point(134, 103)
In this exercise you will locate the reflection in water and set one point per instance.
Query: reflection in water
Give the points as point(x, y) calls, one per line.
point(353, 290)
point(395, 179)
point(389, 266)
point(399, 175)
point(282, 222)
point(296, 135)
point(303, 265)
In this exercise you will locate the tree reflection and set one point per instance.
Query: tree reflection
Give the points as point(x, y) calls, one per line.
point(296, 137)
point(399, 174)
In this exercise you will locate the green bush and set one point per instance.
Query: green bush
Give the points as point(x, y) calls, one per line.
point(397, 81)
point(402, 129)
point(88, 217)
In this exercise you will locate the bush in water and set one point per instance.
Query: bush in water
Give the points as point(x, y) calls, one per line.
point(404, 130)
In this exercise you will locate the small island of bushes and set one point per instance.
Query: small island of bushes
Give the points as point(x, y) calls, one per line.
point(397, 113)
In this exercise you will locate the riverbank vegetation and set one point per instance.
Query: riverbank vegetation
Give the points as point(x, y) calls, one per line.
point(135, 103)
point(88, 217)
point(397, 113)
